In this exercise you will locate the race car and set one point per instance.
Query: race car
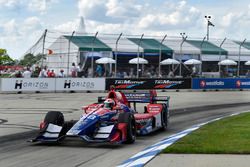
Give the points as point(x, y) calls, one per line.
point(112, 119)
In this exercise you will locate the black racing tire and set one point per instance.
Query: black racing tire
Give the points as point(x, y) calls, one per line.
point(129, 119)
point(54, 117)
point(165, 117)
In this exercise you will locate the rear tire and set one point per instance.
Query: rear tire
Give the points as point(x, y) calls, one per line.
point(129, 119)
point(165, 118)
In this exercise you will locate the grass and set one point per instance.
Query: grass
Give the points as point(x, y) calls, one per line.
point(227, 136)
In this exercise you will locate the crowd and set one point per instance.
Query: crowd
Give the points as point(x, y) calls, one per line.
point(39, 72)
point(101, 71)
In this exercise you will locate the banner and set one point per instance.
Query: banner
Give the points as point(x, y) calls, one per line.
point(80, 84)
point(177, 83)
point(27, 84)
point(220, 83)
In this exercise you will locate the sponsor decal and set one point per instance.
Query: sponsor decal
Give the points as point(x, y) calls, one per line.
point(242, 83)
point(204, 83)
point(161, 84)
point(78, 84)
point(238, 83)
point(20, 84)
point(178, 83)
point(121, 84)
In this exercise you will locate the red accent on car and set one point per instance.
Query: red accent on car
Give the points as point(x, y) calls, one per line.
point(154, 108)
point(123, 128)
point(116, 137)
point(42, 125)
point(143, 116)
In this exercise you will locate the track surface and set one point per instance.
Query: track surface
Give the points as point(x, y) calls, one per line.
point(21, 113)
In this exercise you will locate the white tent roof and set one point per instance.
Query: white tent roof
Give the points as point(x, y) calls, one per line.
point(124, 45)
point(231, 47)
point(174, 43)
point(227, 62)
point(138, 61)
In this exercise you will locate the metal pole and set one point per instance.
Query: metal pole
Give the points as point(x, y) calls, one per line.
point(183, 40)
point(116, 45)
point(208, 24)
point(220, 52)
point(69, 52)
point(201, 54)
point(92, 57)
point(207, 30)
point(238, 71)
point(160, 55)
point(138, 55)
point(44, 37)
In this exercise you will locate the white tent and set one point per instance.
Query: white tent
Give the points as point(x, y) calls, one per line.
point(247, 63)
point(138, 61)
point(105, 60)
point(169, 62)
point(227, 62)
point(192, 62)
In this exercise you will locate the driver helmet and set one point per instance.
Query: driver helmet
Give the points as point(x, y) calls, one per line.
point(109, 103)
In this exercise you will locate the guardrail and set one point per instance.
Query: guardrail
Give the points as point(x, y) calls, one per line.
point(221, 83)
point(102, 84)
point(51, 84)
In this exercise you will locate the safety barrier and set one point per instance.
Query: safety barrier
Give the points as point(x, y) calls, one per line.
point(175, 83)
point(51, 84)
point(102, 84)
point(221, 83)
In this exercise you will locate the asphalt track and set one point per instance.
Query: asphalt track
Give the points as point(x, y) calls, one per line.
point(15, 151)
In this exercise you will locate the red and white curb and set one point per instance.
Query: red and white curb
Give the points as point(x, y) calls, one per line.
point(142, 158)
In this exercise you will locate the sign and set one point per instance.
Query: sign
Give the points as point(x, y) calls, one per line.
point(219, 83)
point(80, 84)
point(27, 84)
point(177, 83)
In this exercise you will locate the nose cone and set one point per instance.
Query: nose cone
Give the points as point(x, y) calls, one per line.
point(84, 126)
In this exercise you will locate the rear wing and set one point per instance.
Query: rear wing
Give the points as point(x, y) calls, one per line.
point(135, 97)
point(145, 97)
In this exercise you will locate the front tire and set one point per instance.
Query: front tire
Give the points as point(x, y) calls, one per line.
point(56, 118)
point(129, 119)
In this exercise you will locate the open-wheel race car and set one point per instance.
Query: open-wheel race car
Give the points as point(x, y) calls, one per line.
point(113, 119)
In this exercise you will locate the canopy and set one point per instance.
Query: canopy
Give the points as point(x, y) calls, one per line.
point(105, 60)
point(151, 45)
point(207, 47)
point(88, 43)
point(227, 62)
point(192, 62)
point(169, 62)
point(247, 63)
point(138, 61)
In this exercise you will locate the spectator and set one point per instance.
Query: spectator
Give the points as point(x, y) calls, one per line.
point(73, 70)
point(78, 69)
point(51, 74)
point(99, 70)
point(36, 71)
point(61, 74)
point(171, 74)
point(27, 73)
point(18, 74)
point(43, 73)
point(248, 74)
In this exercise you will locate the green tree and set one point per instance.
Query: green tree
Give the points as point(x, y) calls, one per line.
point(5, 59)
point(30, 59)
